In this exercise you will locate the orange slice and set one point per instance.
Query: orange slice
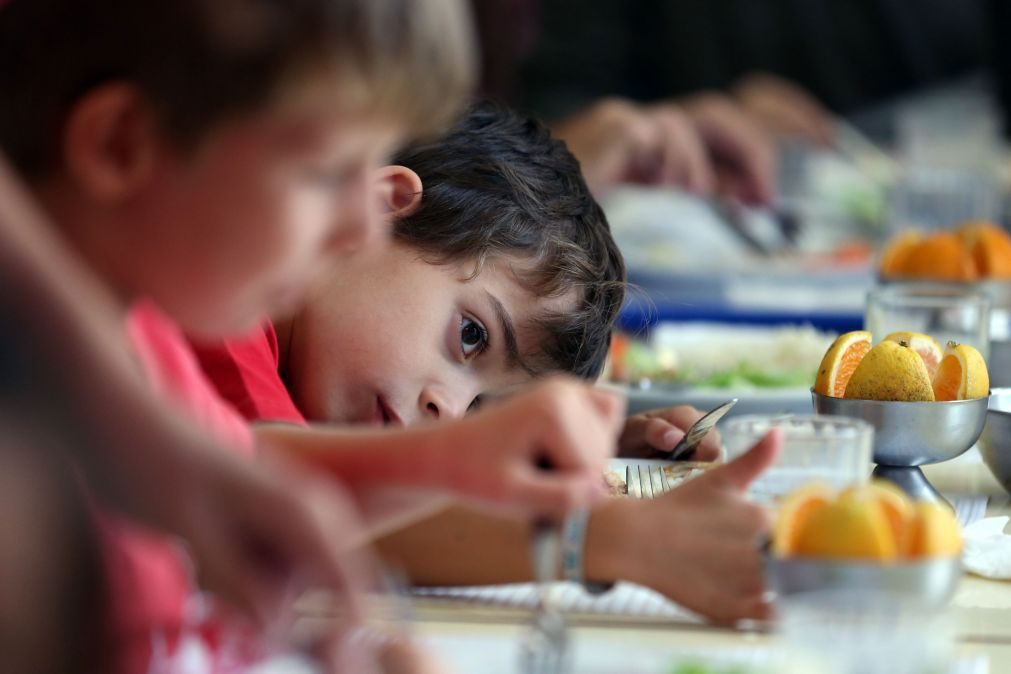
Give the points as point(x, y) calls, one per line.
point(850, 528)
point(941, 255)
point(992, 253)
point(925, 345)
point(962, 374)
point(895, 258)
point(896, 506)
point(934, 532)
point(840, 361)
point(794, 512)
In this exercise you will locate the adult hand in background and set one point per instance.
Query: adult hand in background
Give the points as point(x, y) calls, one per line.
point(743, 154)
point(618, 141)
point(784, 108)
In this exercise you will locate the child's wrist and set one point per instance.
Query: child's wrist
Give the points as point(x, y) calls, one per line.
point(606, 555)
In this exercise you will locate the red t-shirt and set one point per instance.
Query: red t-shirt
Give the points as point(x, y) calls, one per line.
point(246, 373)
point(159, 621)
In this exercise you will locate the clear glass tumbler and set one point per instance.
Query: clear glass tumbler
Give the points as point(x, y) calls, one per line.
point(945, 312)
point(829, 449)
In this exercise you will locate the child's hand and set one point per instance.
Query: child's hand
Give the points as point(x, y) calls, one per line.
point(499, 454)
point(661, 430)
point(698, 544)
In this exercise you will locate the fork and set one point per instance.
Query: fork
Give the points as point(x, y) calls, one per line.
point(544, 648)
point(646, 481)
point(697, 432)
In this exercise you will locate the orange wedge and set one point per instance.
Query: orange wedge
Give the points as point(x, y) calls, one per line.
point(934, 532)
point(895, 258)
point(941, 256)
point(962, 374)
point(925, 345)
point(840, 361)
point(895, 505)
point(794, 512)
point(850, 528)
point(991, 252)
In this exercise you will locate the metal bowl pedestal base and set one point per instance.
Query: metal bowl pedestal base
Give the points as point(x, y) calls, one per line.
point(911, 480)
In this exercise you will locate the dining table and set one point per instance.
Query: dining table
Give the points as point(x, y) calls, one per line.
point(469, 635)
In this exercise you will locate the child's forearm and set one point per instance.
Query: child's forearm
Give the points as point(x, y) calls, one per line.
point(461, 546)
point(362, 458)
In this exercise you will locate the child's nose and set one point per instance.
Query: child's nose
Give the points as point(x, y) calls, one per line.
point(436, 404)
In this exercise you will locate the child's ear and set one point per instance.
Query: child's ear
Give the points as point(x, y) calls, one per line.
point(110, 142)
point(400, 189)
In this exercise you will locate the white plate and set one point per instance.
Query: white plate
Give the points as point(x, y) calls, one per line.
point(750, 401)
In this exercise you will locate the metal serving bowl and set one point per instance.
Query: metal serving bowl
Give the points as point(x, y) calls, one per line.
point(995, 443)
point(907, 435)
point(913, 434)
point(930, 581)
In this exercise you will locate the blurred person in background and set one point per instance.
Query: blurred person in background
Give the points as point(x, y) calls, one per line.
point(706, 87)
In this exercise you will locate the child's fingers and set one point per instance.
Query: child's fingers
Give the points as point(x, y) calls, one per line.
point(554, 495)
point(743, 470)
point(661, 434)
point(710, 448)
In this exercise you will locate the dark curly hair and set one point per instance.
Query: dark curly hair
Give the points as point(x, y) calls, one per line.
point(498, 185)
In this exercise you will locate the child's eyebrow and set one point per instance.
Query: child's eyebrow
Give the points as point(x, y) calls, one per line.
point(509, 332)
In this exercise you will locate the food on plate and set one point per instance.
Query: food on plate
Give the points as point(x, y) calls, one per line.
point(961, 375)
point(891, 371)
point(840, 361)
point(925, 345)
point(975, 250)
point(875, 522)
point(697, 667)
point(906, 367)
point(614, 482)
point(676, 473)
point(719, 356)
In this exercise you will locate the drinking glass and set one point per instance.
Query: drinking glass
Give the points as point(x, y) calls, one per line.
point(864, 631)
point(948, 165)
point(945, 312)
point(829, 449)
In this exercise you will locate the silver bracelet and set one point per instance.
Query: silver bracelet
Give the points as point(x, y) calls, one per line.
point(573, 548)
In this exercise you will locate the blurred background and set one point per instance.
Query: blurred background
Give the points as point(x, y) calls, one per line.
point(886, 125)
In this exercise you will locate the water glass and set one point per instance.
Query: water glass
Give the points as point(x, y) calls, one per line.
point(828, 449)
point(864, 631)
point(945, 312)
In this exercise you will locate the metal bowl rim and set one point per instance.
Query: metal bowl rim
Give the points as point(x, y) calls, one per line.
point(934, 403)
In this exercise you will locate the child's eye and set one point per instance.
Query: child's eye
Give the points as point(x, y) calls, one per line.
point(473, 337)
